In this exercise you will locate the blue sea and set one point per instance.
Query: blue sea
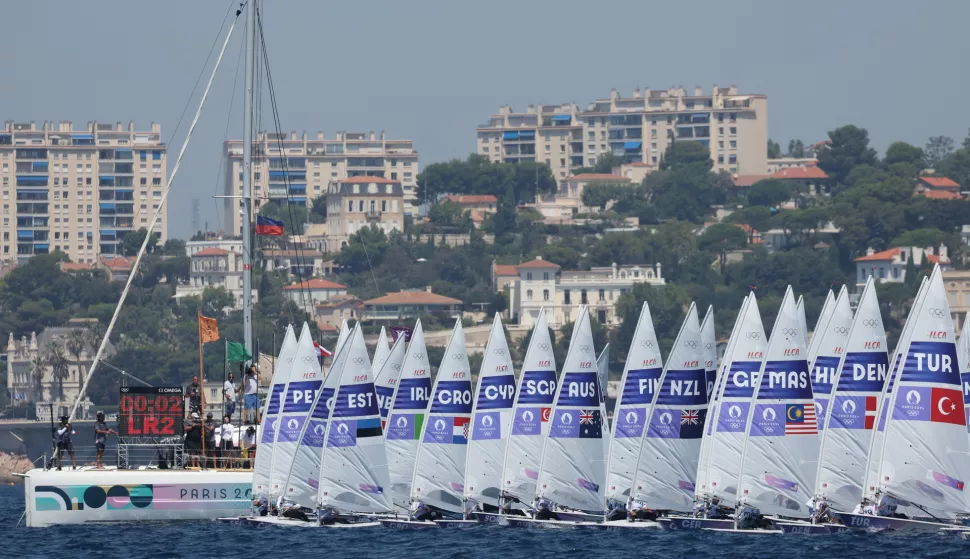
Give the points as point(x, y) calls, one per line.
point(211, 539)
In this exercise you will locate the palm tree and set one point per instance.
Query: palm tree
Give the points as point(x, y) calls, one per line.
point(38, 368)
point(59, 366)
point(76, 342)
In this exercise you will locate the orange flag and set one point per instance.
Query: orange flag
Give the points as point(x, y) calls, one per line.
point(208, 329)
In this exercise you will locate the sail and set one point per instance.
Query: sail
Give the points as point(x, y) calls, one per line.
point(603, 373)
point(878, 434)
point(778, 461)
point(342, 336)
point(387, 376)
point(963, 354)
point(709, 345)
point(823, 319)
point(740, 371)
point(802, 321)
point(667, 465)
point(406, 417)
point(849, 421)
point(701, 489)
point(267, 436)
point(439, 467)
point(641, 376)
point(832, 337)
point(305, 380)
point(572, 471)
point(534, 396)
point(491, 419)
point(924, 457)
point(381, 351)
point(353, 474)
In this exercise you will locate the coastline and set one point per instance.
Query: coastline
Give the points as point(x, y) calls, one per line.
point(11, 464)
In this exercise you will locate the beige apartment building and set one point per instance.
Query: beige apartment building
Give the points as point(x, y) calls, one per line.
point(638, 129)
point(79, 191)
point(295, 168)
point(359, 202)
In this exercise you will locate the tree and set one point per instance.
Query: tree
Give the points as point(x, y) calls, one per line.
point(849, 148)
point(774, 150)
point(901, 152)
point(293, 216)
point(38, 368)
point(681, 154)
point(318, 209)
point(76, 342)
point(723, 238)
point(449, 214)
point(478, 175)
point(174, 247)
point(365, 249)
point(937, 149)
point(758, 217)
point(923, 238)
point(668, 305)
point(605, 164)
point(768, 192)
point(956, 166)
point(796, 148)
point(59, 367)
point(966, 142)
point(132, 241)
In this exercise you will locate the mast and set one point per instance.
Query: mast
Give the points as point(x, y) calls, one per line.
point(247, 178)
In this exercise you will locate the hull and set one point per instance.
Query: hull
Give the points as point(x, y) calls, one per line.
point(487, 517)
point(567, 516)
point(872, 523)
point(691, 523)
point(620, 525)
point(524, 522)
point(740, 531)
point(104, 496)
point(808, 528)
point(456, 523)
point(405, 524)
point(268, 521)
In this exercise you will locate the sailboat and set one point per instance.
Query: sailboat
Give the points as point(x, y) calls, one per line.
point(641, 375)
point(780, 450)
point(381, 351)
point(922, 462)
point(827, 351)
point(572, 470)
point(491, 421)
point(387, 377)
point(963, 354)
point(535, 395)
point(709, 345)
point(802, 321)
point(267, 437)
point(439, 465)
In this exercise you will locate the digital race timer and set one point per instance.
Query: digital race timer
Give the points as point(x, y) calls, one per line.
point(151, 412)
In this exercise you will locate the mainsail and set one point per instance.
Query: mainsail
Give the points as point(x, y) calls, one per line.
point(802, 321)
point(406, 417)
point(709, 345)
point(387, 377)
point(778, 460)
point(491, 420)
point(963, 354)
point(353, 473)
point(572, 471)
point(924, 458)
point(849, 421)
point(667, 464)
point(832, 336)
point(381, 351)
point(264, 458)
point(439, 467)
point(823, 318)
point(534, 397)
point(641, 375)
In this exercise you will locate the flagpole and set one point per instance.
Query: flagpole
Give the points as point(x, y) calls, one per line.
point(202, 390)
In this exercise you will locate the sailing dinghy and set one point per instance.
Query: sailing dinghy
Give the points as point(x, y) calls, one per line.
point(387, 376)
point(270, 416)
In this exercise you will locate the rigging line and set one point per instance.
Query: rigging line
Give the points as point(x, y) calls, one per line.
point(224, 158)
point(151, 227)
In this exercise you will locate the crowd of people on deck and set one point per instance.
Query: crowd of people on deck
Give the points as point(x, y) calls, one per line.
point(212, 444)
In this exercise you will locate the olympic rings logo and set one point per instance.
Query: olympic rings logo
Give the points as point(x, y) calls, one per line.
point(937, 313)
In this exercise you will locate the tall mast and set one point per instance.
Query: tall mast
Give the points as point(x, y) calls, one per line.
point(247, 178)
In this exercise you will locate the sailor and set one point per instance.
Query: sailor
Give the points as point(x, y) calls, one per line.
point(289, 509)
point(507, 501)
point(615, 510)
point(700, 507)
point(64, 442)
point(886, 505)
point(716, 511)
point(422, 512)
point(821, 513)
point(750, 518)
point(101, 432)
point(543, 510)
point(640, 511)
point(260, 505)
point(329, 516)
point(470, 506)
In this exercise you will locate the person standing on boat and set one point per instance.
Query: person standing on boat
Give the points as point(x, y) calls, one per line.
point(193, 438)
point(248, 444)
point(64, 442)
point(250, 398)
point(226, 433)
point(210, 440)
point(101, 432)
point(194, 394)
point(229, 394)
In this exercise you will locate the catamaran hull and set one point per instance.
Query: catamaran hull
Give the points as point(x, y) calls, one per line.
point(404, 524)
point(691, 523)
point(103, 496)
point(872, 523)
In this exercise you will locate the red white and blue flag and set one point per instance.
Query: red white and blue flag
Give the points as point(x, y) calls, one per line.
point(267, 226)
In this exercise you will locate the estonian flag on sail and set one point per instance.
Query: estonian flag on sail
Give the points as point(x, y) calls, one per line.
point(267, 226)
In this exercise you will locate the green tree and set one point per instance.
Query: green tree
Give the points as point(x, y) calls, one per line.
point(774, 150)
point(668, 305)
point(937, 149)
point(901, 152)
point(294, 216)
point(849, 148)
point(758, 217)
point(364, 251)
point(796, 148)
point(174, 247)
point(722, 238)
point(132, 241)
point(478, 175)
point(318, 209)
point(926, 237)
point(684, 154)
point(956, 166)
point(38, 368)
point(449, 214)
point(59, 366)
point(768, 192)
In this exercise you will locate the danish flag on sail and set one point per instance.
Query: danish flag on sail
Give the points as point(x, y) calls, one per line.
point(322, 351)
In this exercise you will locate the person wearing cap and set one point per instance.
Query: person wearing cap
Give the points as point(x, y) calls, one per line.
point(229, 395)
point(193, 438)
point(194, 394)
point(248, 444)
point(209, 431)
point(250, 397)
point(64, 442)
point(101, 432)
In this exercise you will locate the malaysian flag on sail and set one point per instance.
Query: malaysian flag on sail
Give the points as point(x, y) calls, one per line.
point(800, 419)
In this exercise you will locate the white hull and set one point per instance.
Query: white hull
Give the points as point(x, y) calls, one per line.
point(618, 525)
point(739, 531)
point(404, 524)
point(456, 523)
point(524, 522)
point(100, 496)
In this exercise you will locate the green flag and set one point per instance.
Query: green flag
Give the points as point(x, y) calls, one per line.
point(237, 352)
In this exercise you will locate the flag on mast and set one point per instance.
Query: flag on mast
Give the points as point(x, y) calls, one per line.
point(208, 329)
point(267, 226)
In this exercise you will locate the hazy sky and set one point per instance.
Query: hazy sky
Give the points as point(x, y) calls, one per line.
point(432, 70)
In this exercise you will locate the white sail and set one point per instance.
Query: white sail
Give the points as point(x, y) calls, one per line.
point(823, 319)
point(849, 421)
point(641, 376)
point(879, 433)
point(534, 397)
point(353, 474)
point(387, 377)
point(802, 321)
point(778, 461)
point(439, 467)
point(701, 489)
point(381, 351)
point(740, 371)
point(709, 345)
point(963, 353)
point(301, 391)
point(406, 417)
point(832, 336)
point(342, 336)
point(603, 374)
point(267, 437)
point(667, 465)
point(924, 456)
point(572, 471)
point(491, 420)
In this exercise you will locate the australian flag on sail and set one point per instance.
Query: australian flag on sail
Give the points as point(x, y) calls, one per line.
point(267, 226)
point(577, 424)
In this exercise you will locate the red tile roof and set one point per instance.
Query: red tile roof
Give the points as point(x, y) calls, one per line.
point(211, 251)
point(472, 198)
point(539, 263)
point(939, 194)
point(934, 259)
point(800, 173)
point(598, 177)
point(744, 181)
point(75, 267)
point(413, 298)
point(368, 180)
point(940, 182)
point(316, 284)
point(879, 256)
point(506, 270)
point(119, 263)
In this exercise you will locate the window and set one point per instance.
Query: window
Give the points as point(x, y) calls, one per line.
point(565, 297)
point(602, 295)
point(653, 132)
point(734, 131)
point(360, 205)
point(545, 294)
point(720, 158)
point(350, 205)
point(528, 276)
point(143, 181)
point(383, 205)
point(545, 276)
point(582, 297)
point(732, 158)
point(734, 144)
point(528, 295)
point(157, 181)
point(895, 273)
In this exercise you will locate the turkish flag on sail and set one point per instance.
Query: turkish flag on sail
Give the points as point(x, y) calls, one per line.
point(946, 406)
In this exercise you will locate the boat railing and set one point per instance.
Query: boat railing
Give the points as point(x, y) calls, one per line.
point(166, 453)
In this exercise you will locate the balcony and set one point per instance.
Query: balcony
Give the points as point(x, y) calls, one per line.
point(373, 215)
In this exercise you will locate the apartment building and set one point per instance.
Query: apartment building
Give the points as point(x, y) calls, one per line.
point(79, 191)
point(215, 267)
point(637, 129)
point(287, 167)
point(359, 202)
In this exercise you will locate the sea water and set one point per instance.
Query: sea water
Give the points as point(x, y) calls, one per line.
point(203, 539)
